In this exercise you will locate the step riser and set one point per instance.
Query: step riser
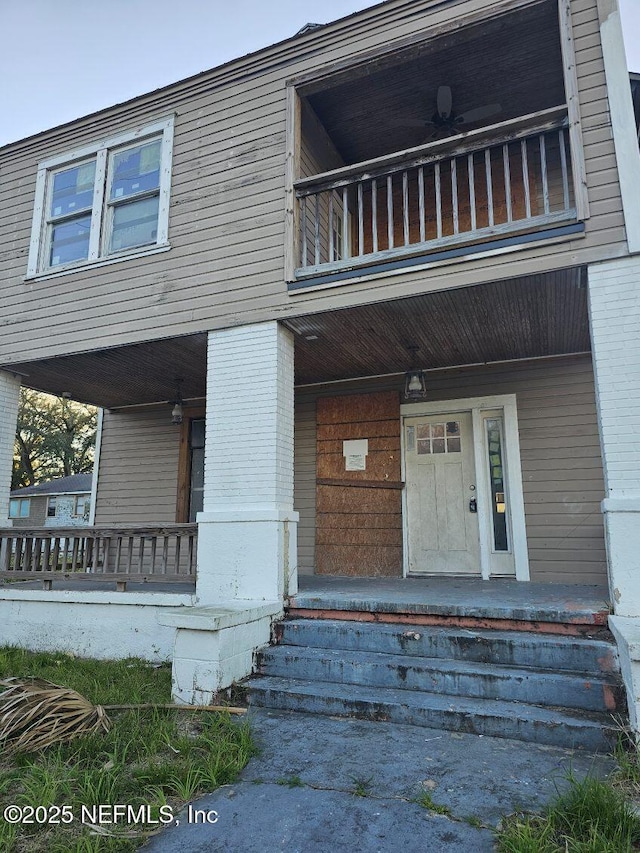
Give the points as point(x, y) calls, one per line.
point(535, 688)
point(562, 734)
point(583, 656)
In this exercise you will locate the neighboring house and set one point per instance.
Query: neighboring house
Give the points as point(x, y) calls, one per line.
point(256, 271)
point(64, 502)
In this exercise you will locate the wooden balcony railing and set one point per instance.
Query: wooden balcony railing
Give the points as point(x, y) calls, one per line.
point(511, 177)
point(115, 555)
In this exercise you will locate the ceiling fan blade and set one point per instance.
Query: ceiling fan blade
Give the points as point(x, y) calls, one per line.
point(411, 122)
point(444, 101)
point(479, 113)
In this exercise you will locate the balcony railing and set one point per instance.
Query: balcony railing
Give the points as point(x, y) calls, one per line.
point(500, 180)
point(115, 555)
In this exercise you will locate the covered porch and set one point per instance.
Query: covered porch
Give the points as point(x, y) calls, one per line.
point(263, 516)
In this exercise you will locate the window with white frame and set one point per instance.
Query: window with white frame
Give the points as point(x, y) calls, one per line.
point(19, 507)
point(81, 506)
point(103, 201)
point(52, 507)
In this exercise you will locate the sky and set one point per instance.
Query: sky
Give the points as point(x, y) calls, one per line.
point(62, 59)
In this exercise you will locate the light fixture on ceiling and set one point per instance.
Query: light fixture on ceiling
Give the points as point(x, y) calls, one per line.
point(177, 412)
point(415, 387)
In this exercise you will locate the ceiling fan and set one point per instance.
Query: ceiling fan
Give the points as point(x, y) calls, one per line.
point(445, 121)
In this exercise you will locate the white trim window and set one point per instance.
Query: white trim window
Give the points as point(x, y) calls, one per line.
point(19, 507)
point(103, 201)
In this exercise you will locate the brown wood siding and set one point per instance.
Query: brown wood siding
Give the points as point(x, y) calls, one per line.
point(304, 496)
point(138, 468)
point(560, 455)
point(359, 528)
point(226, 264)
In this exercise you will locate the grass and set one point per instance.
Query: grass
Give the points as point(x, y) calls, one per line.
point(425, 800)
point(591, 816)
point(149, 758)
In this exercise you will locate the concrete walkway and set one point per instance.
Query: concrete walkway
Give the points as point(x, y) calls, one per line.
point(326, 785)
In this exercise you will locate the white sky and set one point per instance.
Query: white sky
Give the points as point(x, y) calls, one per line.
point(61, 59)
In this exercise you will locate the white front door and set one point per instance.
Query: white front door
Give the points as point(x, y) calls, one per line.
point(441, 495)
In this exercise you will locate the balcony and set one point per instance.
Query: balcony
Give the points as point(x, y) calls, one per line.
point(499, 181)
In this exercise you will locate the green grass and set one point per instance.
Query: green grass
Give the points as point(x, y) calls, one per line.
point(425, 800)
point(150, 757)
point(592, 816)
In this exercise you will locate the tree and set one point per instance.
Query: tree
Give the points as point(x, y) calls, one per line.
point(56, 437)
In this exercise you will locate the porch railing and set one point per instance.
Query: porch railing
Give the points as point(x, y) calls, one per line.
point(510, 177)
point(121, 555)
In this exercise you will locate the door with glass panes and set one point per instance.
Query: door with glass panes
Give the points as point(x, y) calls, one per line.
point(443, 533)
point(458, 519)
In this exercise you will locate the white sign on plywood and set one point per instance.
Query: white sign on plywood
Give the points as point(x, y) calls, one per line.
point(355, 453)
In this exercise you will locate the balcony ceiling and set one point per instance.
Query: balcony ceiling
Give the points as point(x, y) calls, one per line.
point(540, 315)
point(513, 60)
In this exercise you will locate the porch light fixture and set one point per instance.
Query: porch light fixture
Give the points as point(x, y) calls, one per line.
point(178, 406)
point(415, 387)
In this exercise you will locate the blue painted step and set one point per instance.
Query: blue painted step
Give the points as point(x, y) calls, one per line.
point(507, 648)
point(547, 688)
point(449, 677)
point(455, 713)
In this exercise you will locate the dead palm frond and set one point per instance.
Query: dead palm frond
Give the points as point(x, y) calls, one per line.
point(35, 714)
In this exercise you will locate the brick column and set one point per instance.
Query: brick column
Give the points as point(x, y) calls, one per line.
point(247, 530)
point(614, 308)
point(9, 399)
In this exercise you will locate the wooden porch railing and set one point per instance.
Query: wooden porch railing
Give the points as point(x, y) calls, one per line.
point(121, 555)
point(497, 180)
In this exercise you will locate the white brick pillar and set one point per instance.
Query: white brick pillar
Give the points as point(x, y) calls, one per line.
point(247, 530)
point(614, 308)
point(9, 400)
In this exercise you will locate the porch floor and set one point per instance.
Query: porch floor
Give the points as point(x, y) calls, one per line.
point(473, 599)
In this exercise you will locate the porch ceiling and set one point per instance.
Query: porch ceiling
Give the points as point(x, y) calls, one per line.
point(528, 317)
point(130, 375)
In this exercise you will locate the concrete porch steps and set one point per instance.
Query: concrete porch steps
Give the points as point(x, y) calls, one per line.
point(454, 713)
point(557, 690)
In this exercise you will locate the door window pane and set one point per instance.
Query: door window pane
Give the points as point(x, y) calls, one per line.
point(439, 438)
point(493, 428)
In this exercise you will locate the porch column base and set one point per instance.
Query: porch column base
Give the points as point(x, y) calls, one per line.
point(622, 526)
point(246, 554)
point(215, 646)
point(627, 634)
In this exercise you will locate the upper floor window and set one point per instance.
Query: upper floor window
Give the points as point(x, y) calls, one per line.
point(52, 504)
point(81, 506)
point(19, 507)
point(102, 201)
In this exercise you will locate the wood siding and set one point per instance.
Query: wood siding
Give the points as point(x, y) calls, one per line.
point(138, 468)
point(226, 264)
point(304, 492)
point(560, 454)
